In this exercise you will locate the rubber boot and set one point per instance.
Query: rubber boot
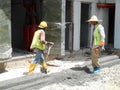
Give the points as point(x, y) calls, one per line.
point(44, 68)
point(31, 68)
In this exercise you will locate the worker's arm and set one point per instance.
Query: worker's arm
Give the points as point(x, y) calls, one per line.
point(102, 33)
point(42, 38)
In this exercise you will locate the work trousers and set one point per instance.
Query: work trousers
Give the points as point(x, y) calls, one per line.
point(95, 54)
point(39, 57)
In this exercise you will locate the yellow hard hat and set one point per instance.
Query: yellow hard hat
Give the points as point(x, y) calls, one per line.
point(43, 24)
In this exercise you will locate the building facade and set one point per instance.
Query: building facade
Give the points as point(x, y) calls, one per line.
point(67, 26)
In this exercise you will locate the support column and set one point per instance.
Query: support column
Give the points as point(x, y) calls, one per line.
point(117, 25)
point(76, 20)
point(63, 28)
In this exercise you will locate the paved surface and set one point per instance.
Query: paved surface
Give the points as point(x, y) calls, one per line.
point(66, 74)
point(19, 72)
point(17, 68)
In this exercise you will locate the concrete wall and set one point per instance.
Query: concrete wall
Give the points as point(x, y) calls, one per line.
point(5, 29)
point(54, 14)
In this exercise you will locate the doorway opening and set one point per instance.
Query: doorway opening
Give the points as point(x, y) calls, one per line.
point(84, 32)
point(111, 26)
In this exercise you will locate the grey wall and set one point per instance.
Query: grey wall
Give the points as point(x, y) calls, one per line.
point(52, 13)
point(5, 29)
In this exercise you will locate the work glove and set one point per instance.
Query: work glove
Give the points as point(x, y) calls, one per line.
point(102, 43)
point(102, 46)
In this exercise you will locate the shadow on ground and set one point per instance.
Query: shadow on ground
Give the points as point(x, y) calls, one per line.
point(85, 68)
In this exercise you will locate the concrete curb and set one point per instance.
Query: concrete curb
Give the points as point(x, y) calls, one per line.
point(18, 58)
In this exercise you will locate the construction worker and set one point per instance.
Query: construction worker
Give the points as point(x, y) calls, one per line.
point(98, 42)
point(38, 46)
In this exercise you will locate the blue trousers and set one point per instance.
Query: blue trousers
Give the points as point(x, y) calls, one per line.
point(39, 57)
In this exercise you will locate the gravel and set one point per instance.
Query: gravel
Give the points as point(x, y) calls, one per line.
point(106, 79)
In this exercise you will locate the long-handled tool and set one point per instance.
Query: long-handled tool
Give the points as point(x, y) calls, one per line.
point(49, 46)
